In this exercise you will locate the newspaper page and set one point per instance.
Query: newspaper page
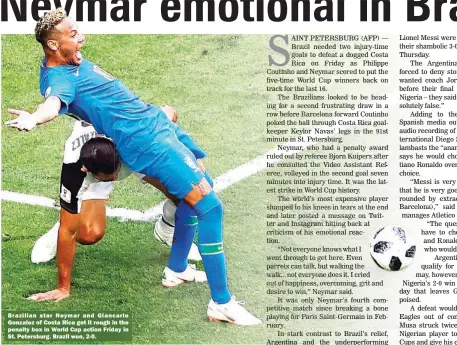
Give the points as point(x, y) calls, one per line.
point(293, 162)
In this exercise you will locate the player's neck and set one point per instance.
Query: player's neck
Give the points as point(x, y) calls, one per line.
point(53, 60)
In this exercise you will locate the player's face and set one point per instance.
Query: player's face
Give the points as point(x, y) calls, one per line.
point(70, 42)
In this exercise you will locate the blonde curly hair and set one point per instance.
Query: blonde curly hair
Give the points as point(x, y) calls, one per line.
point(47, 23)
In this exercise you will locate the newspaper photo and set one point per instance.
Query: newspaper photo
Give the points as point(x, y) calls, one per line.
point(192, 172)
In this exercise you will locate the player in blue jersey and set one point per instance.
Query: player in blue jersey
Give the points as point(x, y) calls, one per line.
point(148, 143)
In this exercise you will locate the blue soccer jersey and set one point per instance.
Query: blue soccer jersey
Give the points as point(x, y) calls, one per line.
point(95, 96)
point(146, 140)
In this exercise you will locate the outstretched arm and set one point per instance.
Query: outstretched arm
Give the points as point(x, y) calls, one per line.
point(45, 112)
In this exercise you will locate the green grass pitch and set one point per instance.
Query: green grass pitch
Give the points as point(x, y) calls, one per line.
point(217, 85)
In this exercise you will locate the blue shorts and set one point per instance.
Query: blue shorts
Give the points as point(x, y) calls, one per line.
point(187, 141)
point(171, 158)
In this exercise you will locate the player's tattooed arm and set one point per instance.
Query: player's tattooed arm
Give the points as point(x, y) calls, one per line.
point(45, 112)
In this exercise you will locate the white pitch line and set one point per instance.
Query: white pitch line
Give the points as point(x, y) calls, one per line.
point(36, 200)
point(27, 199)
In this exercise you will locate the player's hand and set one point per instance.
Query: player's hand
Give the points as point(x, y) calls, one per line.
point(24, 120)
point(53, 295)
point(171, 112)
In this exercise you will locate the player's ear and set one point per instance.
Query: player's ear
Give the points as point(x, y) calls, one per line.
point(84, 169)
point(53, 45)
